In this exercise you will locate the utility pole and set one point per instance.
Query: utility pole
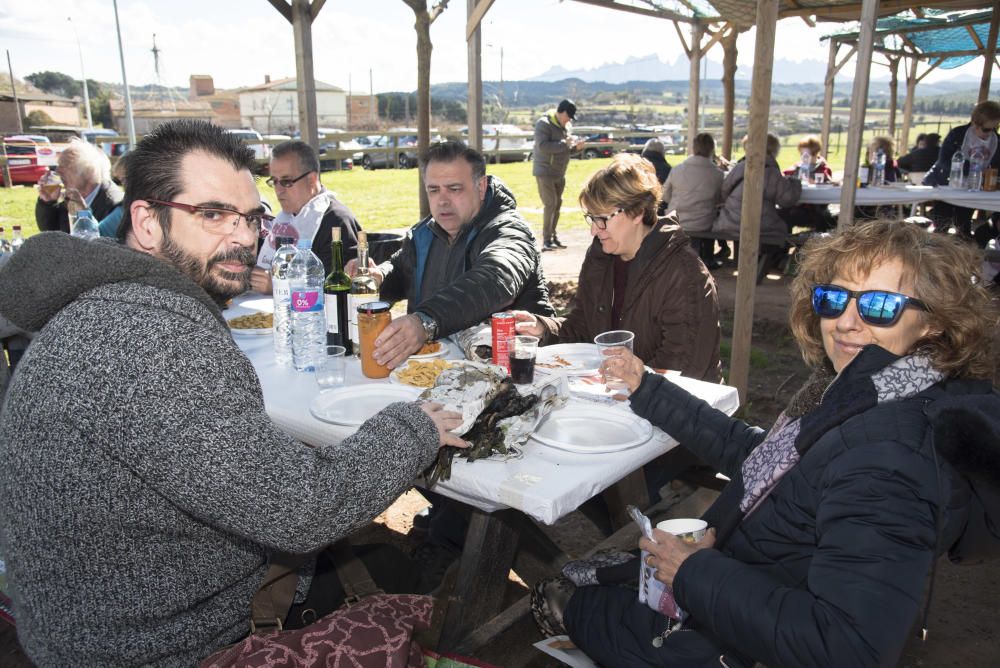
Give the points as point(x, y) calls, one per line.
point(86, 92)
point(128, 96)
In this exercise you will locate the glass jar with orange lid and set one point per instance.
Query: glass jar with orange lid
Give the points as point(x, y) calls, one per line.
point(373, 317)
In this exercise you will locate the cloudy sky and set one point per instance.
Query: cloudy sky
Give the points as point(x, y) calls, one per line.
point(239, 41)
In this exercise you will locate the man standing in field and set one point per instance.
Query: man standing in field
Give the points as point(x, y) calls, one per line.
point(553, 146)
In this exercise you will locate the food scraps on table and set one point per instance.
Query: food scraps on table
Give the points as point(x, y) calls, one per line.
point(422, 374)
point(253, 321)
point(557, 361)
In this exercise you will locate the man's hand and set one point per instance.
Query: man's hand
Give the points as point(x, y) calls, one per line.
point(352, 268)
point(260, 281)
point(668, 553)
point(445, 421)
point(401, 338)
point(42, 194)
point(527, 323)
point(621, 363)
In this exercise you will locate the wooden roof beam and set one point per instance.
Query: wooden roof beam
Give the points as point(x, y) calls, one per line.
point(654, 13)
point(476, 17)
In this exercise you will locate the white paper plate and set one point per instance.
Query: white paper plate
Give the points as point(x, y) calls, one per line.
point(592, 429)
point(584, 359)
point(350, 406)
point(265, 331)
point(441, 352)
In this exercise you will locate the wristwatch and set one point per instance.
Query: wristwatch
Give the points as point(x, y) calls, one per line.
point(430, 325)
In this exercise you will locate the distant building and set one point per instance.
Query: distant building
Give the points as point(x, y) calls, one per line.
point(201, 85)
point(273, 107)
point(225, 103)
point(362, 112)
point(62, 110)
point(150, 114)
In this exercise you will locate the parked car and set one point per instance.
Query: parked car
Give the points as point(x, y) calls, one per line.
point(327, 161)
point(252, 138)
point(24, 153)
point(504, 142)
point(600, 143)
point(402, 147)
point(60, 136)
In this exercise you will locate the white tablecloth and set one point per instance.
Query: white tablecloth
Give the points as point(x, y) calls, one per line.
point(546, 483)
point(908, 194)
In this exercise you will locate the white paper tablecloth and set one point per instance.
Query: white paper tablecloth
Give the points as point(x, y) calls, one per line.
point(546, 483)
point(910, 194)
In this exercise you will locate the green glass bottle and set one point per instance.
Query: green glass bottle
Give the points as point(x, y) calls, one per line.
point(336, 290)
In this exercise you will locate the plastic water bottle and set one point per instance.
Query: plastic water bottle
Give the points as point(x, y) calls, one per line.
point(279, 288)
point(956, 179)
point(16, 240)
point(305, 283)
point(85, 226)
point(975, 180)
point(879, 179)
point(805, 167)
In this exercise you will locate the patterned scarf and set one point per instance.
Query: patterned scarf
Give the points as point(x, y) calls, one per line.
point(777, 454)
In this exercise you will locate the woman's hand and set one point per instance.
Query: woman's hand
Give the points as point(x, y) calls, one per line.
point(445, 421)
point(621, 363)
point(527, 323)
point(668, 553)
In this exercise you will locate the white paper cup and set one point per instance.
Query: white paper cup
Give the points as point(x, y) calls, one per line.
point(688, 530)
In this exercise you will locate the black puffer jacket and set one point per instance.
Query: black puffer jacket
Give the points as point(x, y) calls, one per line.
point(830, 568)
point(501, 268)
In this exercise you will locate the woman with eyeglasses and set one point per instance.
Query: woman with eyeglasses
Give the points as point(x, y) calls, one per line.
point(640, 274)
point(822, 544)
point(977, 140)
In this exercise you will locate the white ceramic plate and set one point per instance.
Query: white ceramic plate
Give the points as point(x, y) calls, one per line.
point(441, 352)
point(350, 406)
point(592, 429)
point(264, 331)
point(576, 359)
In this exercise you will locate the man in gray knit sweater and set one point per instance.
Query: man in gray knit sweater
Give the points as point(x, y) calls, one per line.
point(143, 489)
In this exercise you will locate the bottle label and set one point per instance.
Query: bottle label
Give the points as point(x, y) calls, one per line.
point(353, 302)
point(331, 303)
point(307, 301)
point(281, 290)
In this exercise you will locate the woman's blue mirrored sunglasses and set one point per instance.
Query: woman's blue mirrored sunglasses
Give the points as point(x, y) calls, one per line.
point(876, 307)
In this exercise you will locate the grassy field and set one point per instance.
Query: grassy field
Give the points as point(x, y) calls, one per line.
point(383, 199)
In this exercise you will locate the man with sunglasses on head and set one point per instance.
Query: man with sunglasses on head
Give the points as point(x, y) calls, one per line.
point(309, 208)
point(145, 491)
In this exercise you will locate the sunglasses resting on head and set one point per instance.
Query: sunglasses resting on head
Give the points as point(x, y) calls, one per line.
point(879, 308)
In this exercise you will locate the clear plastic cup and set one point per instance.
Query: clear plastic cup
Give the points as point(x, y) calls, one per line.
point(330, 371)
point(618, 338)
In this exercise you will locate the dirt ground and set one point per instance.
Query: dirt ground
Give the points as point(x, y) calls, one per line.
point(963, 623)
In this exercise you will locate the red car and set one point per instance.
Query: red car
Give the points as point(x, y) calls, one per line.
point(28, 157)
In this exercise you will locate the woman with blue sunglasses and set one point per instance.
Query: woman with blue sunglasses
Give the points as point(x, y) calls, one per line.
point(822, 544)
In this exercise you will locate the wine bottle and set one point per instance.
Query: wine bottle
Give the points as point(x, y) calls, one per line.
point(336, 290)
point(364, 289)
point(864, 174)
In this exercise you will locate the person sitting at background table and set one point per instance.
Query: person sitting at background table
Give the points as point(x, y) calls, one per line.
point(892, 175)
point(924, 154)
point(978, 137)
point(640, 274)
point(175, 491)
point(307, 207)
point(814, 216)
point(821, 547)
point(656, 154)
point(86, 176)
point(693, 193)
point(473, 256)
point(108, 226)
point(783, 191)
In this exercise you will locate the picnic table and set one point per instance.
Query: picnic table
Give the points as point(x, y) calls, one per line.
point(545, 484)
point(900, 193)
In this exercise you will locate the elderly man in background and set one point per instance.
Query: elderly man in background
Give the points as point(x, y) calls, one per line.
point(473, 256)
point(307, 207)
point(86, 175)
point(553, 146)
point(693, 190)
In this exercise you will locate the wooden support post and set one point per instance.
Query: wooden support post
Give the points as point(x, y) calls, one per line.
point(479, 591)
point(831, 75)
point(474, 108)
point(694, 89)
point(893, 97)
point(728, 91)
point(859, 101)
point(753, 195)
point(911, 90)
point(988, 56)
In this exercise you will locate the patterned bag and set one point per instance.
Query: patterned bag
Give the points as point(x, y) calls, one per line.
point(375, 632)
